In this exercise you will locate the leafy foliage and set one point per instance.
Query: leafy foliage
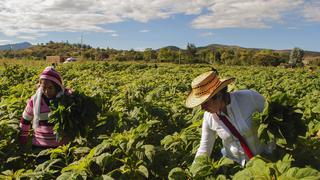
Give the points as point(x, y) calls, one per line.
point(135, 124)
point(73, 115)
point(280, 121)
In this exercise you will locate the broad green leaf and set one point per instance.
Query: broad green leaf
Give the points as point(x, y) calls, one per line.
point(104, 159)
point(316, 109)
point(149, 151)
point(70, 175)
point(300, 173)
point(143, 171)
point(177, 174)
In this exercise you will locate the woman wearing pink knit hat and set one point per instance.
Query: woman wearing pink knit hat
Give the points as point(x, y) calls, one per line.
point(37, 111)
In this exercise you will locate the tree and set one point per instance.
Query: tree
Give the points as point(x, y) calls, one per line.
point(133, 55)
point(88, 55)
point(236, 57)
point(227, 56)
point(102, 55)
point(205, 56)
point(268, 58)
point(191, 52)
point(147, 54)
point(296, 56)
point(167, 55)
point(217, 56)
point(246, 57)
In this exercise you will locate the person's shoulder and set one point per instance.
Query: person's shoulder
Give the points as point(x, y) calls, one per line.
point(31, 99)
point(245, 95)
point(206, 115)
point(244, 92)
point(241, 93)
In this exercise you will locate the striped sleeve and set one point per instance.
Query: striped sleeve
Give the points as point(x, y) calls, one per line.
point(25, 121)
point(28, 111)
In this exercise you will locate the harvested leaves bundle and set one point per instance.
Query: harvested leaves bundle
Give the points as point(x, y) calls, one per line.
point(73, 115)
point(280, 121)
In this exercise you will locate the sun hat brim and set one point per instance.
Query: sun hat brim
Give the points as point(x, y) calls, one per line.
point(193, 101)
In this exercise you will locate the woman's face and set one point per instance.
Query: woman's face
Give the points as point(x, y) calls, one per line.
point(49, 89)
point(214, 105)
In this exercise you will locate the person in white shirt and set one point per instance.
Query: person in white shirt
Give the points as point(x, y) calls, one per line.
point(229, 116)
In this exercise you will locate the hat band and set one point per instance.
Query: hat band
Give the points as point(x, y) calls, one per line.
point(202, 91)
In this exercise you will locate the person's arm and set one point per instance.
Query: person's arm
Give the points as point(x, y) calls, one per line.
point(208, 137)
point(25, 122)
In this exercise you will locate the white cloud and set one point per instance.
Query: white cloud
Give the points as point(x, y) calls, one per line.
point(244, 13)
point(2, 42)
point(38, 16)
point(31, 36)
point(27, 37)
point(144, 30)
point(311, 11)
point(29, 18)
point(206, 34)
point(114, 35)
point(140, 48)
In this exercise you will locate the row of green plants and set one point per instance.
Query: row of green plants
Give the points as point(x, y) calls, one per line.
point(135, 124)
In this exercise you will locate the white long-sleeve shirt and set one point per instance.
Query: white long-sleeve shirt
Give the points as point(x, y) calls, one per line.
point(243, 104)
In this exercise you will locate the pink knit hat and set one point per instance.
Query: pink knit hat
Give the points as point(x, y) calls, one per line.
point(50, 74)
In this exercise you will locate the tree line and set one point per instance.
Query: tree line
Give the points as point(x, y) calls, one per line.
point(191, 54)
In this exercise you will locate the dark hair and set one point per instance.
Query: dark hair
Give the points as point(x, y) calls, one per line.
point(223, 94)
point(224, 90)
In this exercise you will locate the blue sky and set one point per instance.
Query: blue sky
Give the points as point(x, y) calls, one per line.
point(140, 24)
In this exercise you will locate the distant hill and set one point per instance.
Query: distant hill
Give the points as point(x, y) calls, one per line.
point(175, 48)
point(201, 54)
point(220, 46)
point(215, 46)
point(17, 46)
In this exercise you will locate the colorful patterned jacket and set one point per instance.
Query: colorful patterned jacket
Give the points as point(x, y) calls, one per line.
point(44, 135)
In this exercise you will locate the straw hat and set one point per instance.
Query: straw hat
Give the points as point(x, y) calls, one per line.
point(204, 87)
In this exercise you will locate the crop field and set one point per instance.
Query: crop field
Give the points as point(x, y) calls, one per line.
point(135, 124)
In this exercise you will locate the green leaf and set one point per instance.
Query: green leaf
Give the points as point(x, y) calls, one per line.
point(201, 166)
point(285, 164)
point(8, 172)
point(149, 151)
point(143, 171)
point(47, 165)
point(316, 109)
point(104, 177)
point(256, 168)
point(82, 150)
point(70, 175)
point(177, 174)
point(261, 130)
point(224, 161)
point(300, 173)
point(104, 159)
